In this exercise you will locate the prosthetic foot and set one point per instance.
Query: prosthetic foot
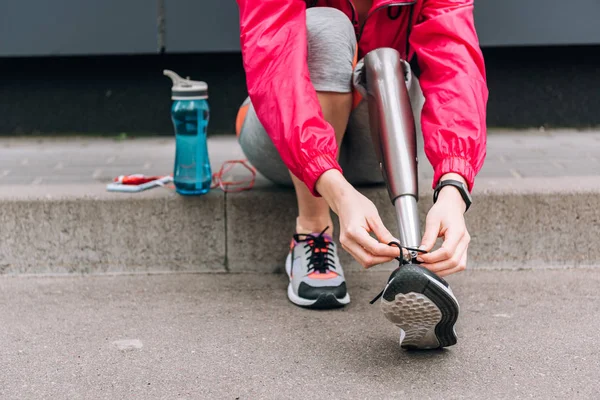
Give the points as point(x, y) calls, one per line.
point(416, 300)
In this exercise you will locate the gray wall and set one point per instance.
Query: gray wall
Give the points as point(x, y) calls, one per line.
point(74, 27)
point(96, 27)
point(537, 22)
point(202, 26)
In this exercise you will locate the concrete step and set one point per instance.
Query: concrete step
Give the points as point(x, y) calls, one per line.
point(68, 228)
point(536, 205)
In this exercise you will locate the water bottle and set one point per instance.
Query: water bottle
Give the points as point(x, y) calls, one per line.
point(190, 114)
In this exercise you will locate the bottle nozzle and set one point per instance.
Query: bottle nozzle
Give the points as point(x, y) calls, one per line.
point(177, 80)
point(186, 88)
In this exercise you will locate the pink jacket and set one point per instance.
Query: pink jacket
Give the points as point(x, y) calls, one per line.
point(442, 36)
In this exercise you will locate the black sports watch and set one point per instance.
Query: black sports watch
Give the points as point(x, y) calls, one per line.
point(464, 192)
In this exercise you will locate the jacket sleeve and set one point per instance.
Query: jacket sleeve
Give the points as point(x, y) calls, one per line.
point(274, 49)
point(454, 85)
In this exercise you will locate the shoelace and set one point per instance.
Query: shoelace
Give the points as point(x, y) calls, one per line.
point(320, 249)
point(402, 260)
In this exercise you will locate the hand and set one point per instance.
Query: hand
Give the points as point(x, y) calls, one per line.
point(358, 217)
point(446, 218)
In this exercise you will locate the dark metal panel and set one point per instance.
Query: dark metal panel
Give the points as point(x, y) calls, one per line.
point(76, 27)
point(202, 26)
point(95, 27)
point(537, 22)
point(205, 26)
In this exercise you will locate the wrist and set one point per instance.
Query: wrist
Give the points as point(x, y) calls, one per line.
point(450, 194)
point(332, 186)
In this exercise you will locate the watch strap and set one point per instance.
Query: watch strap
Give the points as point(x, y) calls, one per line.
point(458, 185)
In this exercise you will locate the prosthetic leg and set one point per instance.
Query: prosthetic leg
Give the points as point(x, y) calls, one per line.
point(416, 300)
point(383, 79)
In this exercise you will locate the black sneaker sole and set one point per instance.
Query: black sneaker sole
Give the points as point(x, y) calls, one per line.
point(324, 301)
point(423, 308)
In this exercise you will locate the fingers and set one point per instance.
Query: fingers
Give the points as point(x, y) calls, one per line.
point(455, 260)
point(366, 249)
point(452, 237)
point(432, 231)
point(370, 244)
point(384, 236)
point(361, 255)
point(461, 267)
point(379, 229)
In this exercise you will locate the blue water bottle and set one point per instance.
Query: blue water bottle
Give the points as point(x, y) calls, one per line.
point(190, 114)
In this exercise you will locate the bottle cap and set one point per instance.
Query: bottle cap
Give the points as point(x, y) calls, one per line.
point(186, 89)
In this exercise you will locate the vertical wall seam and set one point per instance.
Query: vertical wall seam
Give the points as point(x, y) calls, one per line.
point(161, 26)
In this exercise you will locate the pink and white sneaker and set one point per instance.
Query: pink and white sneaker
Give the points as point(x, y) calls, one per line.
point(316, 276)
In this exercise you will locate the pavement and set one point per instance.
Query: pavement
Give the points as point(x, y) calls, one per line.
point(100, 295)
point(510, 154)
point(522, 334)
point(536, 206)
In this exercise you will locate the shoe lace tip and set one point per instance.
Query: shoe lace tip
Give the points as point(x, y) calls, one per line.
point(377, 297)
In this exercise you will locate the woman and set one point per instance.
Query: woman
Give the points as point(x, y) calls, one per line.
point(302, 115)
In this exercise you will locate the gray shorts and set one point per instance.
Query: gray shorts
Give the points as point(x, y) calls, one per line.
point(331, 53)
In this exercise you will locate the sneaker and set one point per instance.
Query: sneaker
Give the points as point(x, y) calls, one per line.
point(316, 276)
point(422, 305)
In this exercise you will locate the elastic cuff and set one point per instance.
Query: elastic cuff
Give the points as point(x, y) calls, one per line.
point(315, 168)
point(455, 165)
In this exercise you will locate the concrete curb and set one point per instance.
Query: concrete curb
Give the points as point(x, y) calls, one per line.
point(515, 223)
point(83, 229)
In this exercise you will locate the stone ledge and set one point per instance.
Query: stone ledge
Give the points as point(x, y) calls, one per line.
point(515, 223)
